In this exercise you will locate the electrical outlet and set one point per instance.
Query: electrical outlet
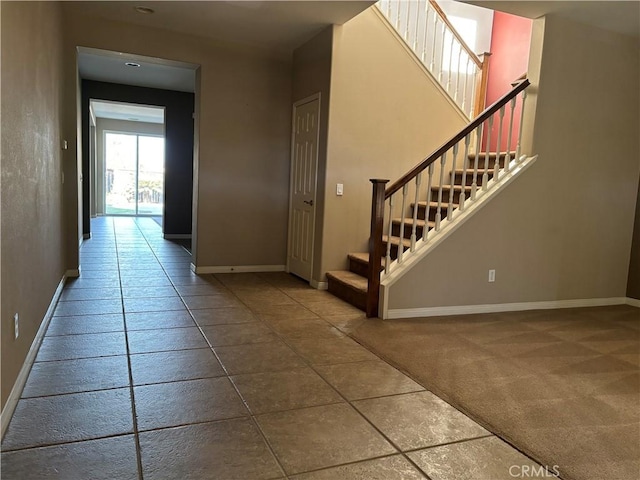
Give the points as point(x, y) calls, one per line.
point(492, 276)
point(16, 326)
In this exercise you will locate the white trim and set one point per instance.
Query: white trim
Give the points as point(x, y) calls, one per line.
point(319, 285)
point(177, 236)
point(502, 307)
point(72, 273)
point(237, 269)
point(21, 380)
point(634, 302)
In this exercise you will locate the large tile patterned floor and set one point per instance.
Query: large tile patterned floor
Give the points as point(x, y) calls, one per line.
point(149, 371)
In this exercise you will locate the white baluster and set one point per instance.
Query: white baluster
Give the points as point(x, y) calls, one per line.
point(389, 9)
point(457, 92)
point(406, 26)
point(432, 65)
point(398, 16)
point(426, 31)
point(405, 190)
point(387, 260)
point(453, 174)
point(507, 158)
point(425, 234)
point(485, 175)
point(415, 38)
point(444, 31)
point(465, 160)
point(443, 161)
point(518, 149)
point(496, 167)
point(415, 212)
point(466, 82)
point(474, 185)
point(450, 65)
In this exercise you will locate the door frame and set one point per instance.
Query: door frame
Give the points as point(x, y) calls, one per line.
point(104, 170)
point(296, 105)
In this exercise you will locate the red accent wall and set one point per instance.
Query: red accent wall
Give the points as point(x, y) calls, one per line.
point(510, 44)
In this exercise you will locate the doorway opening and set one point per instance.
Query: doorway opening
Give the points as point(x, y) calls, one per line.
point(134, 174)
point(130, 159)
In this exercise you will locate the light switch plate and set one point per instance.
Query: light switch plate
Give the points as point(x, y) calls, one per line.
point(339, 189)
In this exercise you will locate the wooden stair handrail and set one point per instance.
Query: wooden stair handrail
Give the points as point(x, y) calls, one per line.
point(479, 120)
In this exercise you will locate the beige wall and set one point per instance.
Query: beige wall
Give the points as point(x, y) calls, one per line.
point(563, 229)
point(32, 224)
point(386, 115)
point(312, 74)
point(244, 131)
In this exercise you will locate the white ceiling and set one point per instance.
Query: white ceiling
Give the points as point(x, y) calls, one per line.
point(278, 26)
point(618, 16)
point(107, 66)
point(269, 24)
point(127, 111)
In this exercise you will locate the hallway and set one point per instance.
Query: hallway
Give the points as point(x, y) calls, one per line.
point(149, 371)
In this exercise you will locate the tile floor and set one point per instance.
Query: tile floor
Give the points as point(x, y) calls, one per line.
point(149, 371)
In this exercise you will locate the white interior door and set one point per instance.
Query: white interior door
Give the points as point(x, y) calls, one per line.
point(304, 174)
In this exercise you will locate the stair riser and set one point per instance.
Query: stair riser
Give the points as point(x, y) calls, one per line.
point(434, 210)
point(355, 298)
point(394, 250)
point(469, 178)
point(482, 162)
point(445, 198)
point(359, 268)
point(408, 230)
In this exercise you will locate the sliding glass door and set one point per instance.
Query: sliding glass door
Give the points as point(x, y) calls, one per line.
point(134, 174)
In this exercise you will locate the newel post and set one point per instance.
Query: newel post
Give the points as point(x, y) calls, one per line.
point(481, 85)
point(375, 246)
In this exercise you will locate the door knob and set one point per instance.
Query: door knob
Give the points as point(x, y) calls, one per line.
point(309, 202)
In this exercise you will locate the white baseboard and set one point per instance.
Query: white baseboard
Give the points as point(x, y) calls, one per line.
point(177, 236)
point(18, 386)
point(319, 285)
point(503, 307)
point(238, 269)
point(634, 302)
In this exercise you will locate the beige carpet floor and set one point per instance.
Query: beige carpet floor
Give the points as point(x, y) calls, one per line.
point(563, 386)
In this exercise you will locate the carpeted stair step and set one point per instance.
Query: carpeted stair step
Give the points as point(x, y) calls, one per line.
point(482, 158)
point(359, 264)
point(348, 286)
point(446, 191)
point(469, 178)
point(395, 245)
point(433, 209)
point(408, 227)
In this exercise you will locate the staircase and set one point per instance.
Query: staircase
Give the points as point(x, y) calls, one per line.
point(351, 285)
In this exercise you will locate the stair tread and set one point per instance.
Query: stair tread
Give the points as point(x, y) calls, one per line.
point(396, 240)
point(419, 222)
point(434, 204)
point(448, 187)
point(349, 278)
point(491, 154)
point(460, 171)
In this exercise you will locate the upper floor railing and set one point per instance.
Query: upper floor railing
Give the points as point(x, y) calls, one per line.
point(428, 32)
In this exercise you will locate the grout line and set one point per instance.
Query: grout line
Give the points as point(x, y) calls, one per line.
point(134, 414)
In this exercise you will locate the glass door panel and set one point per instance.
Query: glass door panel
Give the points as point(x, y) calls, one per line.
point(150, 175)
point(121, 172)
